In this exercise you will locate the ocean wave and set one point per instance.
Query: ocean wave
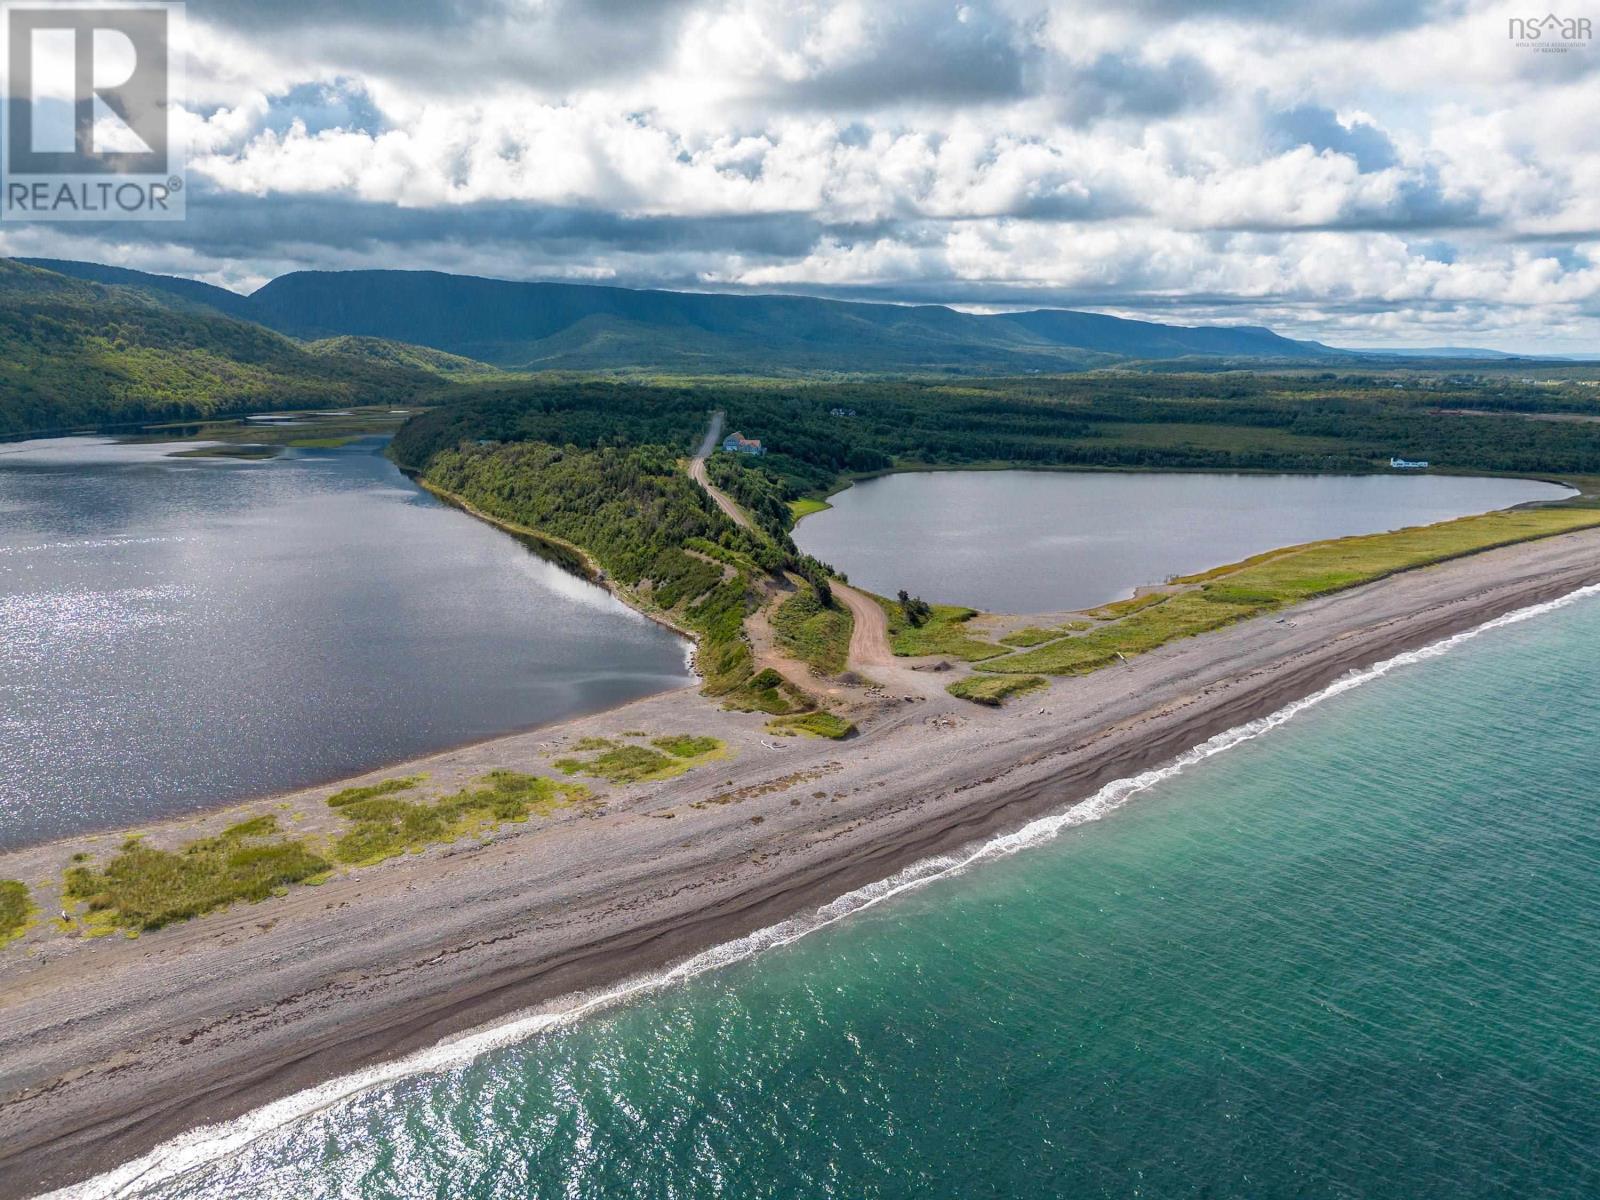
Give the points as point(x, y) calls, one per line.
point(199, 1147)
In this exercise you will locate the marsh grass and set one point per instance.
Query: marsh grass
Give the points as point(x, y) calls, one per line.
point(943, 633)
point(388, 787)
point(812, 724)
point(1280, 578)
point(804, 507)
point(1034, 635)
point(995, 690)
point(1124, 608)
point(666, 756)
point(142, 887)
point(16, 910)
point(387, 825)
point(685, 745)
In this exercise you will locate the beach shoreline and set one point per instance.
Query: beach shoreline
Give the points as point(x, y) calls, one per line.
point(113, 1046)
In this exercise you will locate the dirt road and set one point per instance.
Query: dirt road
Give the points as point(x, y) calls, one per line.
point(869, 638)
point(697, 472)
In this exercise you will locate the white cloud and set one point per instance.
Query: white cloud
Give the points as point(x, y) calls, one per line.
point(1366, 171)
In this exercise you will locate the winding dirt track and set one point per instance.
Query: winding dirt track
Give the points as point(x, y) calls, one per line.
point(869, 635)
point(697, 472)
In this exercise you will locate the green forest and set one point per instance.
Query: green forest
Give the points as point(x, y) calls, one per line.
point(76, 355)
point(821, 434)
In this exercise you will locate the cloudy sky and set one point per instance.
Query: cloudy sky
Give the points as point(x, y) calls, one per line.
point(1368, 172)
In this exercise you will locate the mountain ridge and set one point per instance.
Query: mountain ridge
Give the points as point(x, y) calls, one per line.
point(573, 326)
point(76, 353)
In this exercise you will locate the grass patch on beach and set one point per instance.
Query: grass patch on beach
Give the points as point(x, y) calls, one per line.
point(387, 825)
point(142, 887)
point(387, 788)
point(812, 724)
point(943, 632)
point(1281, 578)
point(995, 690)
point(1034, 635)
point(769, 692)
point(686, 745)
point(818, 635)
point(16, 910)
point(666, 756)
point(1125, 608)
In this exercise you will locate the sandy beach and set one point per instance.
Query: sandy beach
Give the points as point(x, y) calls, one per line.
point(110, 1046)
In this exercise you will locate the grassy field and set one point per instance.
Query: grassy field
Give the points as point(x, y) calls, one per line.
point(816, 635)
point(805, 506)
point(1280, 578)
point(16, 910)
point(995, 690)
point(943, 633)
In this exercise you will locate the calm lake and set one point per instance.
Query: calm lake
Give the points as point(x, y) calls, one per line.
point(1042, 541)
point(184, 632)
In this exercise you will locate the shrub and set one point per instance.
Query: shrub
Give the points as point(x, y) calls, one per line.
point(142, 887)
point(812, 724)
point(386, 826)
point(16, 909)
point(683, 745)
point(995, 690)
point(387, 788)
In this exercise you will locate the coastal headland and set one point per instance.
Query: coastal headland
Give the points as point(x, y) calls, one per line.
point(112, 1045)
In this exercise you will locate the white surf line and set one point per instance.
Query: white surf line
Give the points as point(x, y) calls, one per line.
point(210, 1143)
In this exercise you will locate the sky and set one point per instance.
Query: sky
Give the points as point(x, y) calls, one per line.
point(1364, 172)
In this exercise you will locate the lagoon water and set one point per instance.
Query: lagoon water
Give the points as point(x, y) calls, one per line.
point(183, 632)
point(1353, 957)
point(1043, 541)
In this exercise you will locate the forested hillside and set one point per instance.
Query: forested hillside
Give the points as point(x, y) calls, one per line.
point(76, 354)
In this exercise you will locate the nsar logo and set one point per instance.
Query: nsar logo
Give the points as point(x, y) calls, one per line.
point(1550, 33)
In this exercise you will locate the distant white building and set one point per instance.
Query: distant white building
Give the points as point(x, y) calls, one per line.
point(737, 443)
point(1406, 464)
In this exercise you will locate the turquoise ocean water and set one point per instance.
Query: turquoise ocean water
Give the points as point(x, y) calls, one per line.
point(1355, 956)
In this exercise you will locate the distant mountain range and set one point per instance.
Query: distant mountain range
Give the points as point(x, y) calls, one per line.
point(561, 326)
point(86, 345)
